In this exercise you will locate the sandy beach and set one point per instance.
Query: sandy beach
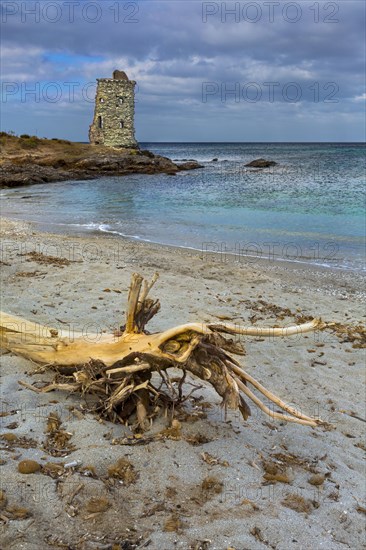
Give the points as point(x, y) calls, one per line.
point(222, 483)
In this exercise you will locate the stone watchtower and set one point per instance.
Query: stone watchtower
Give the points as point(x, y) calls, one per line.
point(113, 123)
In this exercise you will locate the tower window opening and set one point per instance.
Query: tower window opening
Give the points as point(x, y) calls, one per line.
point(100, 122)
point(121, 124)
point(101, 100)
point(121, 100)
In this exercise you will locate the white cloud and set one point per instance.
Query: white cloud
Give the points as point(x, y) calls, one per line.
point(361, 97)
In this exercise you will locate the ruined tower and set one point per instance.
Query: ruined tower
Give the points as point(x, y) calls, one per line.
point(113, 123)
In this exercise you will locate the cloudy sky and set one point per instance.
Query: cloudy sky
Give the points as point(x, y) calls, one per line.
point(206, 71)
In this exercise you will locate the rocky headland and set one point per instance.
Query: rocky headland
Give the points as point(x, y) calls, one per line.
point(28, 160)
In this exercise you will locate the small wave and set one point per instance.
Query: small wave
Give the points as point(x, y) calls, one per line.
point(103, 228)
point(207, 160)
point(306, 261)
point(90, 225)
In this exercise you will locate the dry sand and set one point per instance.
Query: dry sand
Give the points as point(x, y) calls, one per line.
point(178, 500)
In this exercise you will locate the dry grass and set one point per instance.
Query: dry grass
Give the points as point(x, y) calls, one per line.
point(174, 524)
point(53, 469)
point(97, 505)
point(12, 441)
point(46, 152)
point(42, 259)
point(11, 511)
point(57, 441)
point(124, 471)
point(211, 486)
point(298, 503)
point(275, 472)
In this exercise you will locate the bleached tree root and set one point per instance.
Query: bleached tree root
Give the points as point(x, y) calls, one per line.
point(116, 369)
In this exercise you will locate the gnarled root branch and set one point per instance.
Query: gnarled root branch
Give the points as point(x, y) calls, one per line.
point(117, 369)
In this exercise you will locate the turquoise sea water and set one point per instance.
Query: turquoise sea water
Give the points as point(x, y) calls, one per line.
point(308, 208)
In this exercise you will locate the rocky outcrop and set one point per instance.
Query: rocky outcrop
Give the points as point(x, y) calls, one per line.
point(261, 163)
point(27, 174)
point(190, 165)
point(27, 169)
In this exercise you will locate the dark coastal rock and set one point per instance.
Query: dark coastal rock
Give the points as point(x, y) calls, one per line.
point(147, 153)
point(261, 163)
point(191, 165)
point(214, 160)
point(92, 163)
point(28, 174)
point(127, 164)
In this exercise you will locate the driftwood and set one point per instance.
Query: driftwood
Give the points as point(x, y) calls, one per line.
point(116, 369)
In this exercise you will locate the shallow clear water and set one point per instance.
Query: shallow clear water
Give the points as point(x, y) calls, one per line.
point(309, 208)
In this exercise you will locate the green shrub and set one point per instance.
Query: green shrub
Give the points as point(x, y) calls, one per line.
point(24, 136)
point(64, 141)
point(7, 134)
point(29, 143)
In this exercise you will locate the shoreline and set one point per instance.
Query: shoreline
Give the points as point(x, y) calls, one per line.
point(352, 278)
point(246, 258)
point(82, 283)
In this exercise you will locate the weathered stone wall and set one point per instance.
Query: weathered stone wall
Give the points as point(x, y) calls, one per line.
point(113, 123)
